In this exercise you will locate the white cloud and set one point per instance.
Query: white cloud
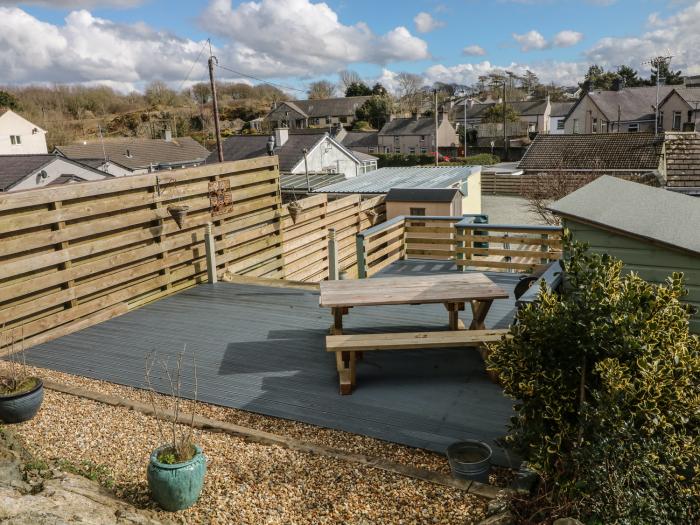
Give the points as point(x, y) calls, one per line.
point(474, 51)
point(425, 23)
point(677, 34)
point(530, 40)
point(565, 73)
point(297, 37)
point(74, 4)
point(567, 38)
point(91, 50)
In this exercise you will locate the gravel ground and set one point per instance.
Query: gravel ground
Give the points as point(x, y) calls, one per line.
point(247, 483)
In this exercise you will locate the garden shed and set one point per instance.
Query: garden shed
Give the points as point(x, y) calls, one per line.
point(654, 231)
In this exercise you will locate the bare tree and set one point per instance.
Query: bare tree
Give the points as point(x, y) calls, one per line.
point(544, 188)
point(321, 89)
point(410, 93)
point(347, 78)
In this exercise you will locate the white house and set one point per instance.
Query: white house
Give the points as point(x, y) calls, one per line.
point(18, 136)
point(26, 172)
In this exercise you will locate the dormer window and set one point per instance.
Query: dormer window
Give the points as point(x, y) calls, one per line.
point(15, 140)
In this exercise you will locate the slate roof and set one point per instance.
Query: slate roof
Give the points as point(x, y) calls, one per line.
point(327, 107)
point(143, 152)
point(365, 157)
point(14, 168)
point(636, 209)
point(682, 156)
point(421, 194)
point(65, 179)
point(523, 108)
point(239, 147)
point(384, 179)
point(409, 126)
point(635, 103)
point(360, 139)
point(561, 109)
point(604, 151)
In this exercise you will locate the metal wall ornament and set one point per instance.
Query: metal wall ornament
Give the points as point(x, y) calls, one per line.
point(220, 197)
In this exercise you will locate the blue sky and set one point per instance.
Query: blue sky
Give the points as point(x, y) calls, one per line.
point(127, 43)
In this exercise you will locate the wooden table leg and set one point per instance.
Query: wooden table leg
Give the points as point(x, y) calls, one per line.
point(337, 327)
point(480, 310)
point(345, 361)
point(453, 310)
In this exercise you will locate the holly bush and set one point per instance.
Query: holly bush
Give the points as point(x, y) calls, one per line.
point(606, 378)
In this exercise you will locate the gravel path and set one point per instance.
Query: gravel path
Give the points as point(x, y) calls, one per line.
point(247, 483)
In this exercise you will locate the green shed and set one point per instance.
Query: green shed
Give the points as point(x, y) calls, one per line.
point(654, 231)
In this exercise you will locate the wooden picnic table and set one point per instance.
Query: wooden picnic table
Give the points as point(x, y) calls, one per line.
point(452, 290)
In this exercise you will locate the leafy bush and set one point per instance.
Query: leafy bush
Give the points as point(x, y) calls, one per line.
point(607, 382)
point(397, 159)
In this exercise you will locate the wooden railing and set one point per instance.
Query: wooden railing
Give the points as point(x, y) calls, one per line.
point(470, 245)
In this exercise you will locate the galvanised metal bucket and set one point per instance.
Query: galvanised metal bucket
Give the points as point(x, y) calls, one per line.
point(16, 408)
point(470, 460)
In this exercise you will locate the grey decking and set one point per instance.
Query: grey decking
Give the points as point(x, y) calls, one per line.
point(262, 349)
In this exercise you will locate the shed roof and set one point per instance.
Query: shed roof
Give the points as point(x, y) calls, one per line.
point(421, 194)
point(384, 179)
point(604, 151)
point(637, 210)
point(297, 181)
point(136, 153)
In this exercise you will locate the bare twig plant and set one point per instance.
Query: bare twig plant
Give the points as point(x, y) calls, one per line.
point(177, 438)
point(16, 378)
point(547, 187)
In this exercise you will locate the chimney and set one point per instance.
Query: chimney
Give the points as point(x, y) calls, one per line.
point(271, 145)
point(442, 114)
point(168, 135)
point(281, 136)
point(618, 84)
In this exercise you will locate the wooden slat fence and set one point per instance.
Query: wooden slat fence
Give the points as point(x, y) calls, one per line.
point(79, 254)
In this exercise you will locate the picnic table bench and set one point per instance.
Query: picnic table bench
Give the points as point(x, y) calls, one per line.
point(454, 291)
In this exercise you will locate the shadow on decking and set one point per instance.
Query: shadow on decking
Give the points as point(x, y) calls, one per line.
point(262, 349)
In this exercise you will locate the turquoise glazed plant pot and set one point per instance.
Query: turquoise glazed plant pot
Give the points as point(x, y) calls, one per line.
point(15, 408)
point(176, 487)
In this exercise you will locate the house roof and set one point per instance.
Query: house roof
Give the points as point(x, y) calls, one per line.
point(524, 108)
point(561, 109)
point(326, 106)
point(363, 156)
point(605, 151)
point(409, 126)
point(637, 210)
point(635, 103)
point(682, 156)
point(691, 95)
point(297, 181)
point(421, 194)
point(143, 153)
point(360, 139)
point(65, 179)
point(15, 168)
point(384, 179)
point(239, 147)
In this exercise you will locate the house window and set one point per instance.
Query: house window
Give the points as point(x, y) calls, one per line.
point(411, 151)
point(397, 149)
point(677, 120)
point(423, 151)
point(594, 126)
point(387, 149)
point(328, 120)
point(15, 140)
point(396, 139)
point(633, 128)
point(343, 120)
point(422, 138)
point(372, 150)
point(560, 124)
point(576, 125)
point(420, 212)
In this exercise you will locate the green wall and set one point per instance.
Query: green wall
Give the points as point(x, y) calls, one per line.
point(653, 263)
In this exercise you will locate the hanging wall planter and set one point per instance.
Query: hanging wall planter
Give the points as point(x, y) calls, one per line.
point(178, 212)
point(372, 215)
point(294, 210)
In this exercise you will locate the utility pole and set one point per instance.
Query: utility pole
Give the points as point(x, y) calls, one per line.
point(215, 106)
point(505, 125)
point(657, 62)
point(437, 154)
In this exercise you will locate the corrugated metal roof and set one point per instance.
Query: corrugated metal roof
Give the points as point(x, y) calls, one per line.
point(382, 180)
point(297, 181)
point(642, 211)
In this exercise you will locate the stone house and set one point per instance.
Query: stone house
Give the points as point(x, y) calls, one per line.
point(298, 114)
point(416, 136)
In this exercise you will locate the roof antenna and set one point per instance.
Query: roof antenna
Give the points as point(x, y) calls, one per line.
point(658, 62)
point(102, 141)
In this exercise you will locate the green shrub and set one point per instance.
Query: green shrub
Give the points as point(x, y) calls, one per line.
point(607, 382)
point(398, 159)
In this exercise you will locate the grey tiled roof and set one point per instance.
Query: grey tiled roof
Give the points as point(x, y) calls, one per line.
point(142, 153)
point(682, 160)
point(634, 103)
point(384, 179)
point(239, 147)
point(561, 109)
point(363, 156)
point(360, 139)
point(318, 108)
point(605, 151)
point(637, 209)
point(13, 168)
point(409, 126)
point(524, 108)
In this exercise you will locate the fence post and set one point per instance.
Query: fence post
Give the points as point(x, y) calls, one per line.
point(506, 246)
point(332, 256)
point(463, 244)
point(360, 248)
point(544, 248)
point(209, 243)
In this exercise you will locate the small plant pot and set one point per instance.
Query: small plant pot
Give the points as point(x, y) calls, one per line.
point(177, 486)
point(470, 460)
point(372, 215)
point(294, 210)
point(15, 408)
point(178, 212)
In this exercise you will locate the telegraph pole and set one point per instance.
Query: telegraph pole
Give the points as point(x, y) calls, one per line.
point(437, 147)
point(215, 105)
point(505, 124)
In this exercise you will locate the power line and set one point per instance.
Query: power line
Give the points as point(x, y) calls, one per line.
point(193, 64)
point(274, 84)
